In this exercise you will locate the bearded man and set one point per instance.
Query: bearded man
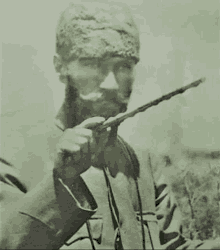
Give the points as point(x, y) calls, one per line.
point(98, 195)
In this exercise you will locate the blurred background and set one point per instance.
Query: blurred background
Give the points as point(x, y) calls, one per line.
point(179, 44)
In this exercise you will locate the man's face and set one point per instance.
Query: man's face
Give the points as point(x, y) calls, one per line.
point(103, 85)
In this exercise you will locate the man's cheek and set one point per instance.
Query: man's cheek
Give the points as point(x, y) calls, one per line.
point(125, 88)
point(125, 77)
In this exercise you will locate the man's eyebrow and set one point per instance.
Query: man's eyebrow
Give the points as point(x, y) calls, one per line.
point(124, 59)
point(89, 58)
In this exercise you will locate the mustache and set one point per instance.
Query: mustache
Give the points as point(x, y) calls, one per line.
point(91, 97)
point(110, 96)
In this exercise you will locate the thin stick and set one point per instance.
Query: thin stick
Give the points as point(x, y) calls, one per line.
point(121, 117)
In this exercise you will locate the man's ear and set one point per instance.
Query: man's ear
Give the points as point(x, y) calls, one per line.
point(57, 63)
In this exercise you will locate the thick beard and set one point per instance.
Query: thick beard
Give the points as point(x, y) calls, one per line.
point(69, 116)
point(79, 109)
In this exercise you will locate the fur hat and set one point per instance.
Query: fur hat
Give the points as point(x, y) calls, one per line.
point(97, 30)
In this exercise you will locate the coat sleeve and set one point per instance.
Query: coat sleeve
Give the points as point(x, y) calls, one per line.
point(168, 213)
point(46, 216)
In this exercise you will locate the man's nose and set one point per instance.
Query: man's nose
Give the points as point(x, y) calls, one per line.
point(109, 83)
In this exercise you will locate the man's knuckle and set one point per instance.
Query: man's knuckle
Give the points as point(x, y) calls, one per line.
point(62, 145)
point(88, 132)
point(76, 148)
point(68, 130)
point(83, 140)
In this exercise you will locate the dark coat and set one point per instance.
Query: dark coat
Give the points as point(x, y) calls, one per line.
point(51, 214)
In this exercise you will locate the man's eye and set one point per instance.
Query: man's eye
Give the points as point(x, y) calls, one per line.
point(125, 66)
point(91, 63)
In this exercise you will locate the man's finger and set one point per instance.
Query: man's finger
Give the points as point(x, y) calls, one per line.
point(92, 122)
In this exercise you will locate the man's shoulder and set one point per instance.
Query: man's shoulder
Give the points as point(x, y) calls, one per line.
point(141, 153)
point(137, 156)
point(148, 158)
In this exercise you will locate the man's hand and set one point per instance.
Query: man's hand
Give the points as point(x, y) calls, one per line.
point(78, 147)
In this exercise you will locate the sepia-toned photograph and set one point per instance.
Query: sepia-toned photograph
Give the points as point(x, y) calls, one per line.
point(109, 124)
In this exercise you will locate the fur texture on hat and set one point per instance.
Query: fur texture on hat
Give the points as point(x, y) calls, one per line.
point(87, 30)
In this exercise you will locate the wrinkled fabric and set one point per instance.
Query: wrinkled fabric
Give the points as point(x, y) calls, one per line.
point(43, 217)
point(41, 214)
